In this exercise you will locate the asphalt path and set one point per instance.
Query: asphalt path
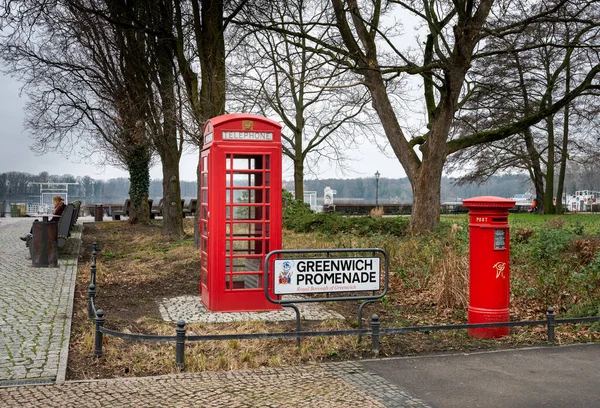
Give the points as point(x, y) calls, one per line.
point(549, 377)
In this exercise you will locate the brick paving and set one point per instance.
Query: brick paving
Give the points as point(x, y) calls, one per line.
point(189, 308)
point(321, 385)
point(35, 319)
point(35, 309)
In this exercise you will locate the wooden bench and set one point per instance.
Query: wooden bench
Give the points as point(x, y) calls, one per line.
point(191, 208)
point(116, 215)
point(50, 236)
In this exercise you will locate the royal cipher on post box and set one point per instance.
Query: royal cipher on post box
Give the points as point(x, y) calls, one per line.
point(489, 264)
point(240, 210)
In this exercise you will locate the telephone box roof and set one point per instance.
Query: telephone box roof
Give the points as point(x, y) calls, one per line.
point(230, 117)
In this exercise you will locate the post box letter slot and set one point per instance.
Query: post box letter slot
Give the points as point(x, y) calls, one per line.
point(499, 239)
point(503, 219)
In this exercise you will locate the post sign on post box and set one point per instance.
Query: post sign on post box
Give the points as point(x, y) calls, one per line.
point(240, 210)
point(489, 260)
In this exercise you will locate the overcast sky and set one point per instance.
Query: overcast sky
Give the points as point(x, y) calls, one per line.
point(15, 154)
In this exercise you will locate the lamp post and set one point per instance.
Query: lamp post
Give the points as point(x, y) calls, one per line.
point(377, 189)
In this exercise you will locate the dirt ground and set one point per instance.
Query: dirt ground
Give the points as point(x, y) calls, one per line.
point(138, 266)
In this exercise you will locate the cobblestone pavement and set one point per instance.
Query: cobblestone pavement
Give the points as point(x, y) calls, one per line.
point(35, 310)
point(323, 385)
point(190, 309)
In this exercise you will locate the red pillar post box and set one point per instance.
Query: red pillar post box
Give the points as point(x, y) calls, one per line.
point(240, 210)
point(489, 264)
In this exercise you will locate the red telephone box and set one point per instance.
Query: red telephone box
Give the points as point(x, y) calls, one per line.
point(240, 210)
point(489, 264)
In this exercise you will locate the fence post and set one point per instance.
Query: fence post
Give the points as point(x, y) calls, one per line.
point(375, 334)
point(550, 316)
point(91, 302)
point(93, 271)
point(180, 345)
point(98, 340)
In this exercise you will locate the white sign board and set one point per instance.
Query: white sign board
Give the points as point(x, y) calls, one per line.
point(296, 276)
point(328, 193)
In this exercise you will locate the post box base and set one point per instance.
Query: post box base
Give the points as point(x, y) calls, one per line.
point(480, 315)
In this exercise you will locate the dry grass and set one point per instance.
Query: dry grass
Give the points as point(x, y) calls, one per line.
point(139, 266)
point(376, 212)
point(451, 289)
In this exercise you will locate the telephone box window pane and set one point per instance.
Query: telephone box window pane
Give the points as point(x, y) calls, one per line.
point(267, 230)
point(244, 180)
point(245, 281)
point(204, 179)
point(499, 239)
point(247, 196)
point(242, 196)
point(241, 213)
point(267, 196)
point(228, 195)
point(205, 196)
point(244, 163)
point(267, 179)
point(204, 213)
point(246, 247)
point(204, 245)
point(204, 163)
point(268, 162)
point(228, 212)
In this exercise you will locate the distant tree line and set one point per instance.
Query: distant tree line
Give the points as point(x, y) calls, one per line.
point(22, 187)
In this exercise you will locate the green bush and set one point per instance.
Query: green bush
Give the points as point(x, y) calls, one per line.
point(337, 224)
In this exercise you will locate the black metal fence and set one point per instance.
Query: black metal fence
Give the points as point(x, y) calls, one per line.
point(375, 331)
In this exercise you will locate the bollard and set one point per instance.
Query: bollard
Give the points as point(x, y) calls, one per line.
point(550, 316)
point(180, 345)
point(91, 297)
point(375, 336)
point(98, 340)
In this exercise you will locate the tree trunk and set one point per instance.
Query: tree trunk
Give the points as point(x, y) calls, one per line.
point(538, 177)
point(166, 140)
point(139, 178)
point(549, 193)
point(172, 211)
point(563, 163)
point(298, 165)
point(210, 40)
point(426, 198)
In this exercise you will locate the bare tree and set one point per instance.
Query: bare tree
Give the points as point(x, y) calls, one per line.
point(454, 39)
point(271, 75)
point(542, 62)
point(83, 86)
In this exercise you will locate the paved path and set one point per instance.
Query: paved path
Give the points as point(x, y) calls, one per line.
point(336, 385)
point(549, 377)
point(35, 310)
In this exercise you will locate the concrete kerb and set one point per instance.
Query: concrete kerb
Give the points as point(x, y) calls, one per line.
point(69, 262)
